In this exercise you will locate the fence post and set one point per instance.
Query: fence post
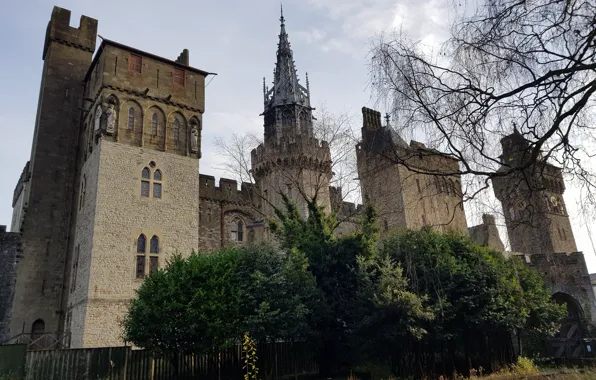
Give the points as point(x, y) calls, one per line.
point(125, 367)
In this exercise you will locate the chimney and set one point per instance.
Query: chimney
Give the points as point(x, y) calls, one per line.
point(183, 58)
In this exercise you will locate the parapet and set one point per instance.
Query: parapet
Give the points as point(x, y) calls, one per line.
point(227, 190)
point(59, 30)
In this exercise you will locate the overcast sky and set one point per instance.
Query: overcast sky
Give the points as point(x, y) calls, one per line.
point(237, 40)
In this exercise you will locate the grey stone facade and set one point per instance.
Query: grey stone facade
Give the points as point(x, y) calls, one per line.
point(117, 158)
point(10, 245)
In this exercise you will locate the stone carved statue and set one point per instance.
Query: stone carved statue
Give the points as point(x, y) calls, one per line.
point(194, 139)
point(97, 121)
point(110, 113)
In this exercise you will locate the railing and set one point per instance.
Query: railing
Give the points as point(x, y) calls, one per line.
point(49, 341)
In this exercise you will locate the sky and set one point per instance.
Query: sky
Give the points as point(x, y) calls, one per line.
point(236, 39)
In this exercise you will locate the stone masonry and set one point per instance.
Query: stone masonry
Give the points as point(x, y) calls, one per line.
point(10, 245)
point(113, 188)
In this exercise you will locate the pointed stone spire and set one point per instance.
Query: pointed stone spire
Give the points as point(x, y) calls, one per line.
point(286, 89)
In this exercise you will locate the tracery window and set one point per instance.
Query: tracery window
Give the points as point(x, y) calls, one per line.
point(144, 266)
point(151, 181)
point(131, 118)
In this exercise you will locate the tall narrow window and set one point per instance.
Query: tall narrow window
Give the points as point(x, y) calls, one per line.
point(141, 244)
point(418, 185)
point(131, 118)
point(140, 272)
point(176, 132)
point(145, 182)
point(136, 63)
point(82, 194)
point(141, 249)
point(154, 245)
point(75, 268)
point(240, 231)
point(157, 184)
point(154, 122)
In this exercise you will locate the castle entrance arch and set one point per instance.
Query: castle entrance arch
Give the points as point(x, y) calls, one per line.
point(567, 342)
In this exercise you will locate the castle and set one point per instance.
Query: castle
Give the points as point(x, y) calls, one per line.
point(112, 188)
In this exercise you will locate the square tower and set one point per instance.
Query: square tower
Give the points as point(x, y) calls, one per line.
point(411, 186)
point(137, 200)
point(44, 207)
point(532, 198)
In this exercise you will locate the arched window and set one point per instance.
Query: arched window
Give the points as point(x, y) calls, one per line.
point(141, 264)
point(157, 184)
point(148, 182)
point(141, 244)
point(240, 231)
point(176, 132)
point(237, 232)
point(145, 184)
point(131, 118)
point(154, 122)
point(38, 328)
point(154, 245)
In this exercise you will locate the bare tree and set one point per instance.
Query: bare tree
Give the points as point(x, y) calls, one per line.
point(335, 129)
point(529, 65)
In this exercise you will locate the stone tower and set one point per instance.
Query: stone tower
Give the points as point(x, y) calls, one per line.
point(48, 200)
point(138, 183)
point(290, 160)
point(410, 185)
point(532, 200)
point(112, 187)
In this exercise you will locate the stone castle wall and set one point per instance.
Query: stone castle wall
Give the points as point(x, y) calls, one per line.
point(121, 216)
point(10, 246)
point(40, 275)
point(565, 273)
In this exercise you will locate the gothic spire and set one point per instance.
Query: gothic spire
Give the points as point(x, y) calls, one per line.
point(286, 89)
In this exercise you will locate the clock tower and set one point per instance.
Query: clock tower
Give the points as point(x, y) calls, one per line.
point(532, 200)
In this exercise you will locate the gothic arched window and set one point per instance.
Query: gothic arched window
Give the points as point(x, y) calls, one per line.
point(131, 118)
point(141, 244)
point(154, 122)
point(176, 132)
point(240, 231)
point(145, 184)
point(149, 182)
point(154, 245)
point(141, 264)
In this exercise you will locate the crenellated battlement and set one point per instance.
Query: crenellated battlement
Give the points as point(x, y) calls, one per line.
point(227, 189)
point(59, 30)
point(302, 152)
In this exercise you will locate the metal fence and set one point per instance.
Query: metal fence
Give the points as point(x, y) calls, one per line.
point(275, 360)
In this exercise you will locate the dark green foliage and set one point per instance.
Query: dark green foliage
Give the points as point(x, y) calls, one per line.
point(477, 297)
point(420, 303)
point(355, 291)
point(211, 299)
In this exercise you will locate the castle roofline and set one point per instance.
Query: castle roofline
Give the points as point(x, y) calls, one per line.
point(106, 42)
